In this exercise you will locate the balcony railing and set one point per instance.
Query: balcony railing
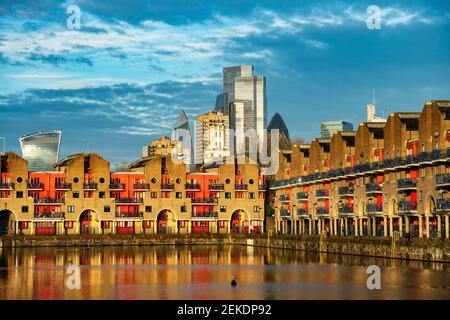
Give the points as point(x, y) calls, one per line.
point(373, 208)
point(422, 157)
point(261, 187)
point(322, 193)
point(116, 186)
point(405, 184)
point(438, 155)
point(63, 186)
point(373, 188)
point(216, 186)
point(141, 186)
point(167, 186)
point(284, 213)
point(443, 205)
point(239, 187)
point(49, 200)
point(129, 214)
point(302, 195)
point(203, 200)
point(407, 206)
point(345, 209)
point(192, 186)
point(208, 214)
point(345, 191)
point(90, 186)
point(129, 200)
point(302, 212)
point(49, 215)
point(6, 186)
point(443, 179)
point(322, 211)
point(35, 186)
point(285, 198)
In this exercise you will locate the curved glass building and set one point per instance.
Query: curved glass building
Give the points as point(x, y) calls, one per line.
point(41, 149)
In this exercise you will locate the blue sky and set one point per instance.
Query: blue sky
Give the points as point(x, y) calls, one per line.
point(121, 80)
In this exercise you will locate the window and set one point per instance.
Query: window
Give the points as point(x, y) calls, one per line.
point(70, 209)
point(19, 194)
point(251, 195)
point(153, 194)
point(107, 208)
point(178, 195)
point(251, 181)
point(101, 194)
point(256, 209)
point(75, 180)
point(24, 209)
point(154, 180)
point(227, 195)
point(223, 208)
point(148, 208)
point(19, 179)
point(227, 181)
point(183, 209)
point(102, 180)
point(178, 181)
point(76, 194)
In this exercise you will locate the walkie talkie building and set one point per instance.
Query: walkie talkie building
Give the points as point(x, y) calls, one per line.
point(41, 149)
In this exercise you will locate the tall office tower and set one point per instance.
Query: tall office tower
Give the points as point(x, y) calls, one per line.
point(182, 132)
point(229, 76)
point(328, 128)
point(211, 137)
point(219, 103)
point(41, 149)
point(277, 123)
point(245, 103)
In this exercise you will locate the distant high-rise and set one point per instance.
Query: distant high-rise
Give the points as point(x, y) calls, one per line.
point(219, 103)
point(182, 132)
point(278, 123)
point(41, 149)
point(371, 114)
point(328, 128)
point(211, 137)
point(244, 97)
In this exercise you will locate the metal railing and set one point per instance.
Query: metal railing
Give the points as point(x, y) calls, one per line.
point(49, 200)
point(322, 193)
point(285, 198)
point(374, 208)
point(49, 215)
point(37, 186)
point(344, 191)
point(204, 200)
point(116, 186)
point(167, 186)
point(192, 186)
point(302, 212)
point(129, 214)
point(208, 214)
point(373, 188)
point(90, 186)
point(442, 179)
point(129, 200)
point(406, 183)
point(141, 186)
point(216, 186)
point(63, 186)
point(345, 209)
point(407, 206)
point(322, 211)
point(6, 185)
point(366, 167)
point(240, 187)
point(302, 195)
point(284, 213)
point(442, 204)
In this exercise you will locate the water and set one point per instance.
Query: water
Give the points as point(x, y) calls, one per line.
point(204, 272)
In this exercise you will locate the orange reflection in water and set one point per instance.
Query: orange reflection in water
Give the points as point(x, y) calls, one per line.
point(204, 272)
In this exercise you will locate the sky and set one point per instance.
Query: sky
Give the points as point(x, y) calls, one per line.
point(122, 78)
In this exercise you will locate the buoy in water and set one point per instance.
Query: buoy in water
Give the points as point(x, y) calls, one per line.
point(233, 282)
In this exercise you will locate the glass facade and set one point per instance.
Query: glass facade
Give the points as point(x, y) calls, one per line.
point(328, 128)
point(41, 150)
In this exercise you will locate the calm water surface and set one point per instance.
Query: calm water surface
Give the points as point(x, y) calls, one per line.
point(204, 272)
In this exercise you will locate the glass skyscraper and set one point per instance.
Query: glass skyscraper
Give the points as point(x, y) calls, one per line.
point(41, 149)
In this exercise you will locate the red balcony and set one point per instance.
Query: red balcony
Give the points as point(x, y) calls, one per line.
point(35, 186)
point(210, 201)
point(129, 201)
point(49, 215)
point(129, 214)
point(48, 201)
point(141, 186)
point(63, 186)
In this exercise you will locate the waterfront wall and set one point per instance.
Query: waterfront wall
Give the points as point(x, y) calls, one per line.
point(415, 249)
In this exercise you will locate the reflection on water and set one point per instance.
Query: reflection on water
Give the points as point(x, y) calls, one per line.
point(204, 272)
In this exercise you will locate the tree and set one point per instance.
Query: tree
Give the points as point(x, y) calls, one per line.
point(121, 167)
point(298, 140)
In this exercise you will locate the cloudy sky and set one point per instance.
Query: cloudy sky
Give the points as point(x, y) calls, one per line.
point(122, 79)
